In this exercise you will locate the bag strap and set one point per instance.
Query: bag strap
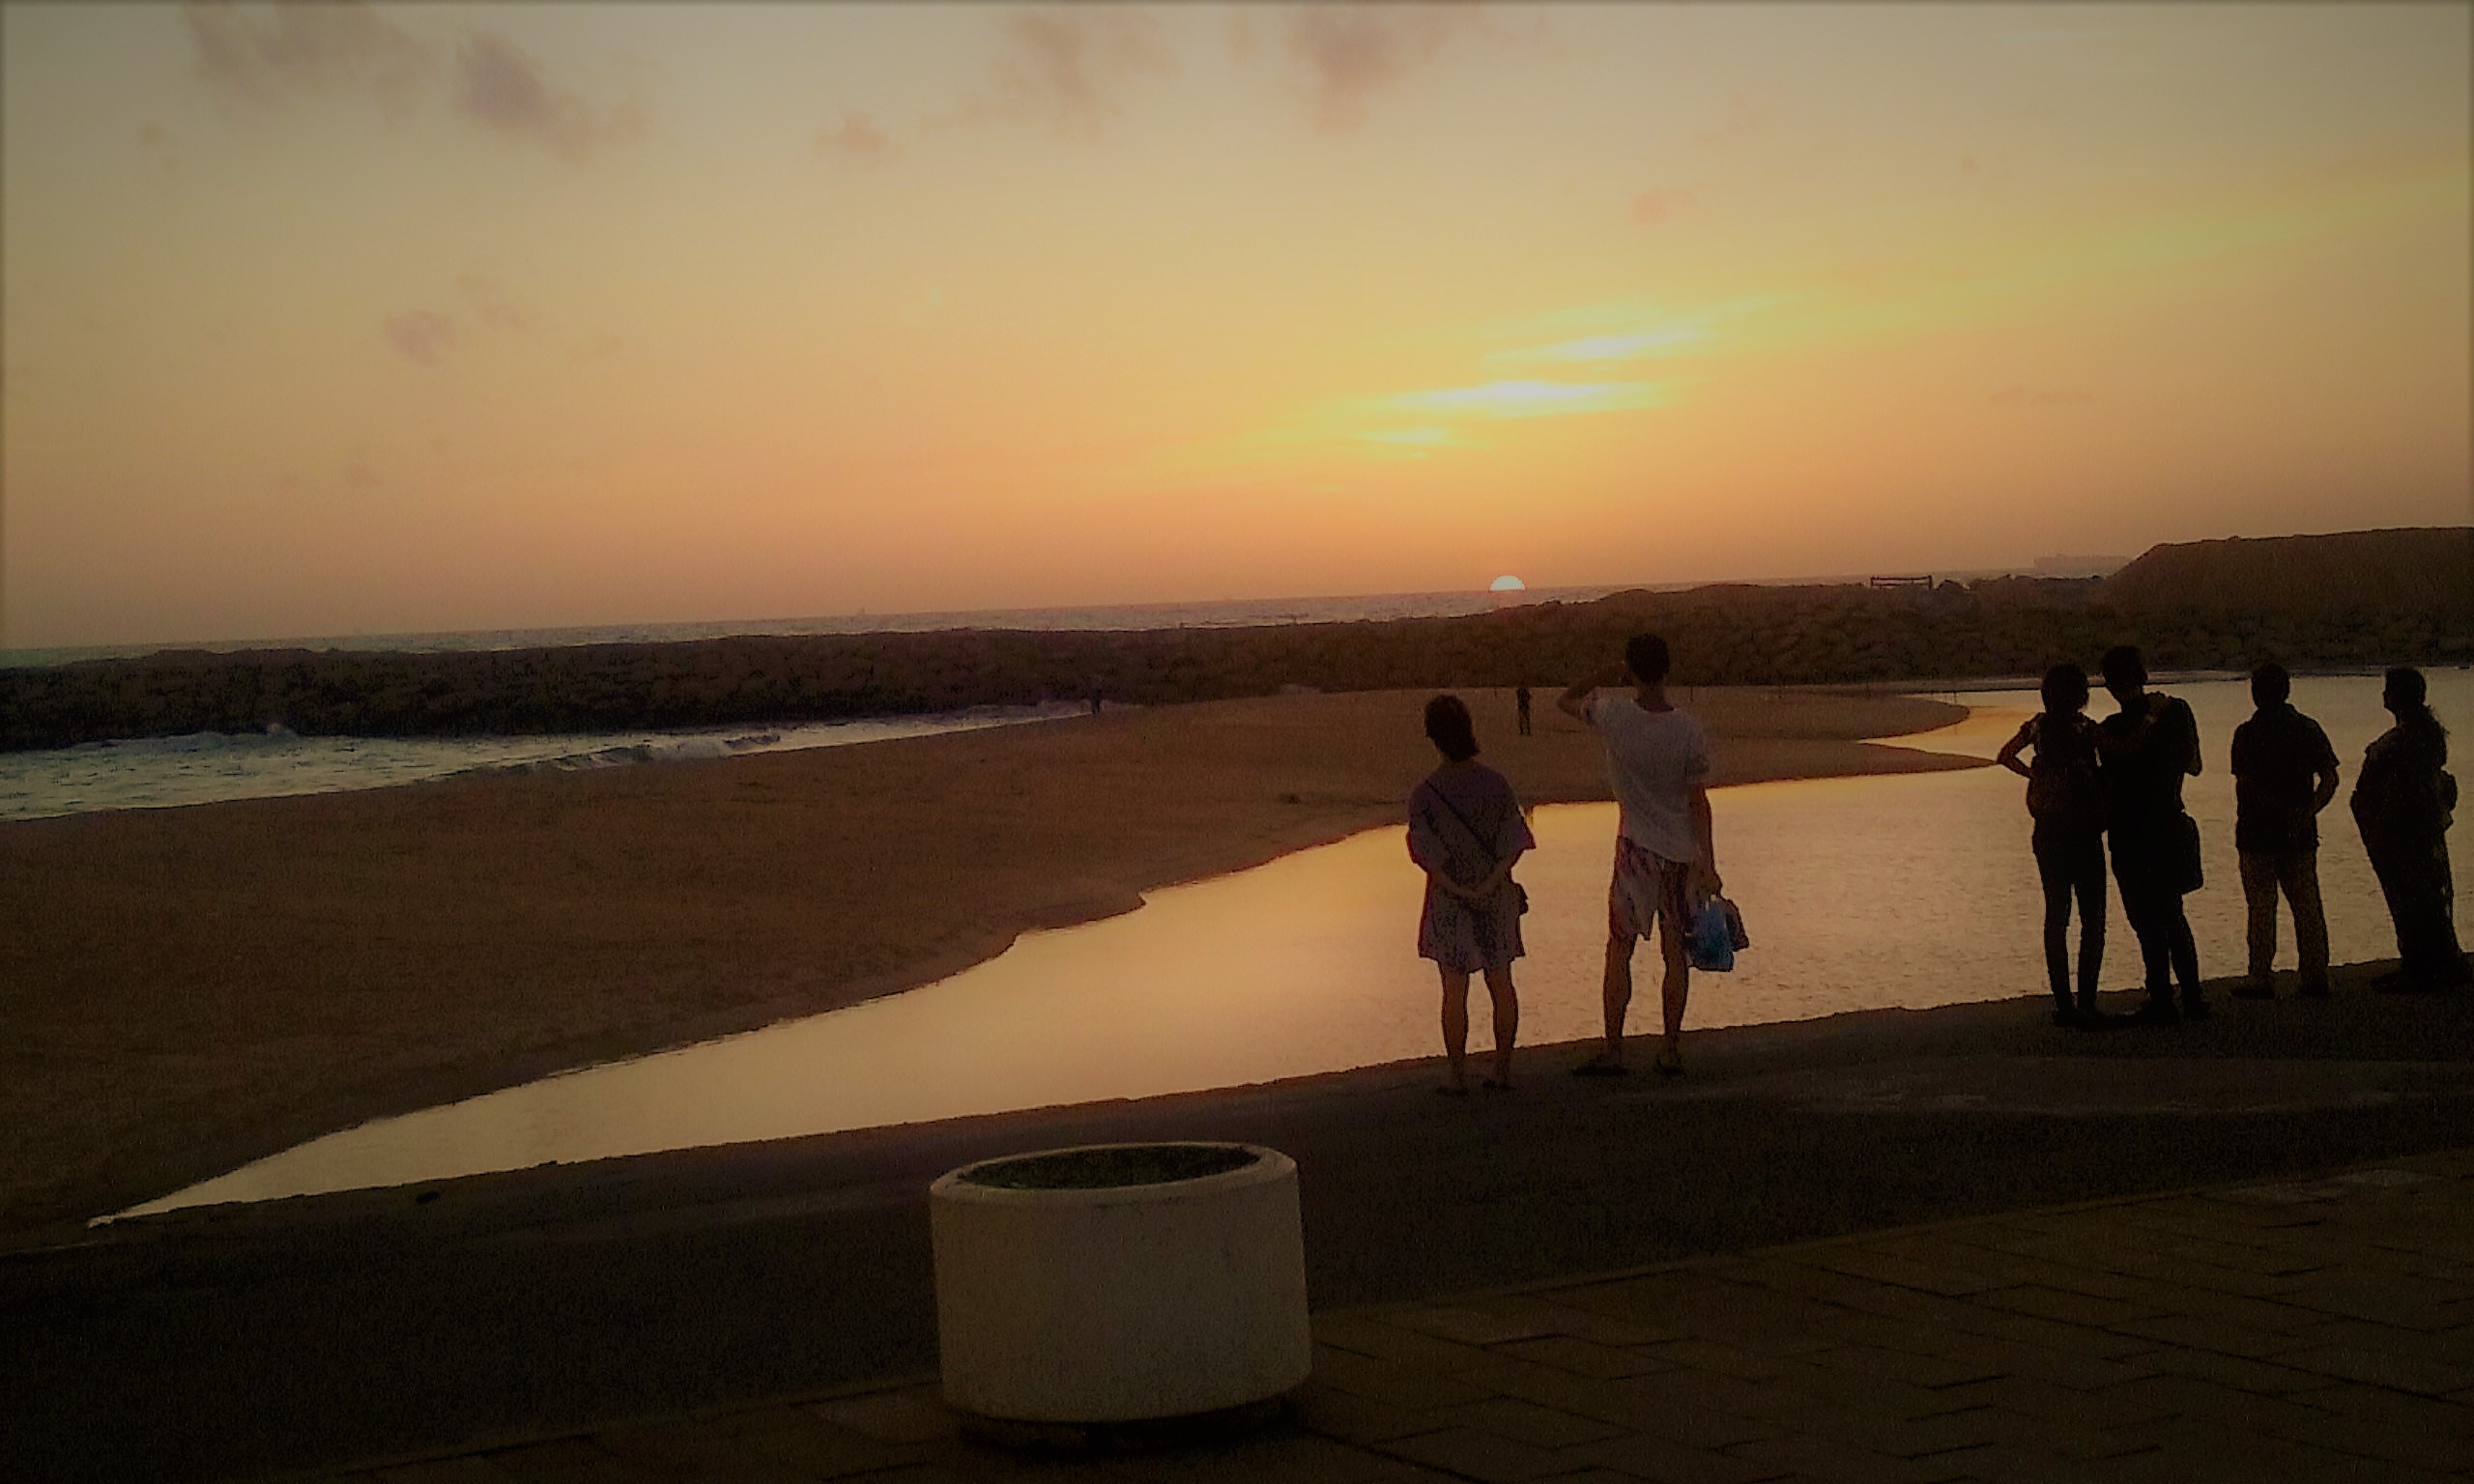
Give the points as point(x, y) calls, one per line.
point(1466, 828)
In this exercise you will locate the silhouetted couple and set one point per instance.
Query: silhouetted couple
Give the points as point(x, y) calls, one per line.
point(2119, 778)
point(1466, 832)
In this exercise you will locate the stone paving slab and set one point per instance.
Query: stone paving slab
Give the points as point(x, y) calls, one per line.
point(2318, 1330)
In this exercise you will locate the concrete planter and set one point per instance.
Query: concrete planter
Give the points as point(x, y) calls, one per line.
point(1120, 1283)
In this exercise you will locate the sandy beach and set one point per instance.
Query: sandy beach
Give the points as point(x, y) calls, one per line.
point(193, 989)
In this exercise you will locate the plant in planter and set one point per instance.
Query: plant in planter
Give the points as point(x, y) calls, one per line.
point(1120, 1283)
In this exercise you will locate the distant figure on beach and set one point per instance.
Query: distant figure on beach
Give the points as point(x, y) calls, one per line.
point(2149, 745)
point(1658, 762)
point(1466, 832)
point(1520, 700)
point(2285, 773)
point(2066, 800)
point(2405, 802)
point(1096, 697)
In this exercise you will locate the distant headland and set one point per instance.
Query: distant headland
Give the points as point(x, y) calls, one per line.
point(2374, 597)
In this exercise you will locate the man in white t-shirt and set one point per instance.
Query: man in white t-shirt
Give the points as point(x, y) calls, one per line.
point(1658, 760)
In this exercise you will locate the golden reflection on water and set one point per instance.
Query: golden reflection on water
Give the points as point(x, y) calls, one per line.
point(1860, 893)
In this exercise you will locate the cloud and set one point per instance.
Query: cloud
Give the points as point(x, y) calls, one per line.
point(491, 303)
point(1626, 347)
point(500, 86)
point(155, 141)
point(1742, 121)
point(1651, 206)
point(1623, 330)
point(301, 50)
point(359, 475)
point(307, 49)
point(598, 347)
point(1414, 438)
point(1535, 398)
point(857, 139)
point(1349, 54)
point(1066, 70)
point(419, 335)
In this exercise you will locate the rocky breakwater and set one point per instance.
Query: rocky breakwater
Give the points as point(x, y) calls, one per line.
point(2384, 597)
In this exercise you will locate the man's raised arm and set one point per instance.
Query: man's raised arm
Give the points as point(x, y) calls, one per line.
point(1575, 699)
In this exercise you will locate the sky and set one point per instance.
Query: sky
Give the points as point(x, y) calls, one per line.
point(336, 318)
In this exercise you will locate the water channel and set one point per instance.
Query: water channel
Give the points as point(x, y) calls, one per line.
point(1906, 891)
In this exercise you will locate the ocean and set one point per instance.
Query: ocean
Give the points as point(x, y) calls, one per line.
point(1236, 614)
point(210, 767)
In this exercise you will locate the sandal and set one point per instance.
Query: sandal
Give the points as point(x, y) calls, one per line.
point(1600, 1067)
point(1668, 1064)
point(1447, 1090)
point(1496, 1084)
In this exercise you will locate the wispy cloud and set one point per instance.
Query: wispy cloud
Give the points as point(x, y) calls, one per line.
point(857, 139)
point(1742, 122)
point(1349, 54)
point(419, 335)
point(1067, 70)
point(1625, 330)
point(491, 302)
point(1535, 398)
point(308, 48)
point(1414, 438)
point(1651, 207)
point(155, 143)
point(501, 87)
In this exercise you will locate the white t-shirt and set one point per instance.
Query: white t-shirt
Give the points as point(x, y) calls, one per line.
point(1654, 762)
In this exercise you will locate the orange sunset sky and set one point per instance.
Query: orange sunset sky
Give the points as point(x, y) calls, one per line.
point(338, 319)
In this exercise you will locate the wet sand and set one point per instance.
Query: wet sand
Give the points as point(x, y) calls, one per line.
point(188, 989)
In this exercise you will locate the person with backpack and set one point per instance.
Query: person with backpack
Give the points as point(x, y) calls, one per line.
point(2285, 773)
point(2066, 798)
point(1466, 832)
point(2149, 743)
point(2405, 802)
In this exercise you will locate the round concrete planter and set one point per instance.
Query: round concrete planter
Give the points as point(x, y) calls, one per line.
point(1120, 1283)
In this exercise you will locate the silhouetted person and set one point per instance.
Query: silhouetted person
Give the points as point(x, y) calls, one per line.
point(1466, 832)
point(1520, 700)
point(2405, 802)
point(2285, 773)
point(2066, 797)
point(2149, 747)
point(1658, 762)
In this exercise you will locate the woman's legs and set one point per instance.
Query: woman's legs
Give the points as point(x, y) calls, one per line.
point(1507, 1018)
point(2053, 872)
point(2088, 880)
point(1455, 1026)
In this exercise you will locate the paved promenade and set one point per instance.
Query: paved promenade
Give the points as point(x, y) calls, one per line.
point(2316, 1329)
point(549, 1307)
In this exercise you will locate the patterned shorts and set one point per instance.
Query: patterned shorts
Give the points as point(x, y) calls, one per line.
point(1648, 890)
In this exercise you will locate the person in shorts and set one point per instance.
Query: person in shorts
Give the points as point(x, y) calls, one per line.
point(1657, 763)
point(1466, 832)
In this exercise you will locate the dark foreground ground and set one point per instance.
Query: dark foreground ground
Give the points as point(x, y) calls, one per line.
point(321, 1334)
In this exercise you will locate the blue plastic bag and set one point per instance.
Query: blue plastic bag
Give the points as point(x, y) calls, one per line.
point(1718, 931)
